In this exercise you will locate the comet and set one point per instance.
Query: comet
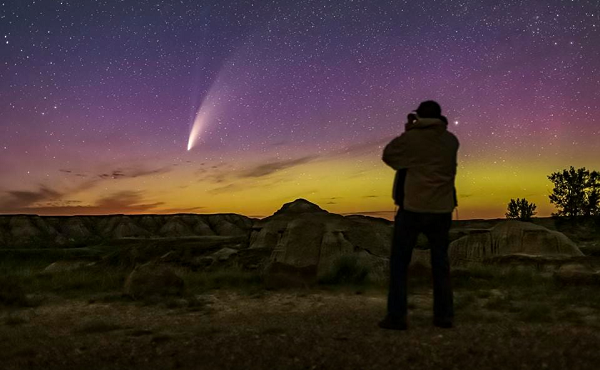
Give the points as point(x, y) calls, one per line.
point(212, 104)
point(197, 127)
point(206, 112)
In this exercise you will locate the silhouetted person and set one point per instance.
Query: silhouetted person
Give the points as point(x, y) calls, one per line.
point(427, 152)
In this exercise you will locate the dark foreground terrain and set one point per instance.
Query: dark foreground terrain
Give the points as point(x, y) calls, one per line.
point(229, 292)
point(530, 324)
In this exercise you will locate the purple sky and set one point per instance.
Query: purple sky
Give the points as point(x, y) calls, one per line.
point(97, 100)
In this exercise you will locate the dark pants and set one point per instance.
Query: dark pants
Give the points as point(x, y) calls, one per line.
point(407, 227)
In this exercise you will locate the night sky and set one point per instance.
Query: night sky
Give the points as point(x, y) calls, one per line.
point(289, 99)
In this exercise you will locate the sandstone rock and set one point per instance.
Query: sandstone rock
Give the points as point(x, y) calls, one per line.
point(151, 222)
point(201, 228)
point(202, 262)
point(510, 237)
point(267, 233)
point(170, 256)
point(368, 233)
point(476, 246)
point(524, 237)
point(422, 258)
point(74, 228)
point(175, 227)
point(570, 267)
point(299, 206)
point(333, 245)
point(153, 280)
point(64, 266)
point(302, 235)
point(229, 224)
point(124, 227)
point(301, 242)
point(224, 254)
point(20, 230)
point(22, 227)
point(569, 276)
point(539, 262)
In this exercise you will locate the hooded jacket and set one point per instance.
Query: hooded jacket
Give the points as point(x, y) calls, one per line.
point(428, 152)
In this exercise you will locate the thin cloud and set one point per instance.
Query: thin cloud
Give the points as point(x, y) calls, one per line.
point(46, 203)
point(181, 210)
point(131, 201)
point(228, 188)
point(269, 168)
point(46, 200)
point(362, 148)
point(389, 215)
point(18, 199)
point(121, 173)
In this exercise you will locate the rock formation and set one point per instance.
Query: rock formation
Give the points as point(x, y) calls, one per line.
point(510, 237)
point(153, 280)
point(304, 236)
point(20, 231)
point(299, 237)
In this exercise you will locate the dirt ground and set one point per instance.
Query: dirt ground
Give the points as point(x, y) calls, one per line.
point(284, 330)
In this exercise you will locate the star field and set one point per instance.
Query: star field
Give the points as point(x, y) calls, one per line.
point(298, 98)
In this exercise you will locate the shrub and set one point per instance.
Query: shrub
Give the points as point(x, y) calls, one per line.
point(347, 270)
point(232, 277)
point(536, 312)
point(520, 209)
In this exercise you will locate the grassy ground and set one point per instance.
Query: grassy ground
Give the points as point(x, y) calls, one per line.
point(227, 319)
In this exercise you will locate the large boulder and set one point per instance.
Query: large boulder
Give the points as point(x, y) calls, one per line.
point(153, 280)
point(524, 237)
point(576, 274)
point(303, 236)
point(476, 246)
point(224, 254)
point(508, 238)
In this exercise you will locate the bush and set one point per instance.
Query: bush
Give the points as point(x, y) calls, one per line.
point(233, 277)
point(347, 270)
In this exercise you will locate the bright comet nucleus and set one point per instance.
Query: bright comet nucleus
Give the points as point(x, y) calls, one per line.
point(197, 127)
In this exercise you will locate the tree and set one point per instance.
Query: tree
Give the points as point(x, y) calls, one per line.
point(576, 192)
point(521, 209)
point(592, 206)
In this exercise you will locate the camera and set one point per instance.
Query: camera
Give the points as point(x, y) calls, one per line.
point(412, 117)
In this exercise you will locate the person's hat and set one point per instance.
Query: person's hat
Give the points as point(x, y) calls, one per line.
point(429, 109)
